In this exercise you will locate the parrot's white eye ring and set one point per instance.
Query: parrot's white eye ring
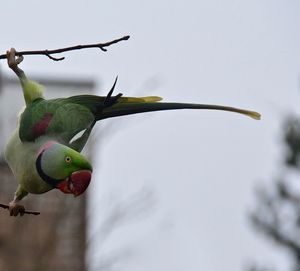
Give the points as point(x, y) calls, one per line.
point(68, 159)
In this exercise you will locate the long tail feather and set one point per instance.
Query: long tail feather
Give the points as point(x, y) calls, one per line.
point(128, 108)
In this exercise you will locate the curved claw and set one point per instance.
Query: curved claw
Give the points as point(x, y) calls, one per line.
point(30, 212)
point(15, 209)
point(12, 61)
point(19, 59)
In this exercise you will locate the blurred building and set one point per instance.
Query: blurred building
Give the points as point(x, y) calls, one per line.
point(56, 239)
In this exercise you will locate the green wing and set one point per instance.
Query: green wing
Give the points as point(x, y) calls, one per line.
point(57, 118)
point(64, 118)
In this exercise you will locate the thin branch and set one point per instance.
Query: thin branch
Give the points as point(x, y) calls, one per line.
point(48, 53)
point(4, 206)
point(275, 233)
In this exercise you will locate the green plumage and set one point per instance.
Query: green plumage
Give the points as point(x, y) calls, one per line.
point(74, 114)
point(67, 119)
point(61, 119)
point(41, 153)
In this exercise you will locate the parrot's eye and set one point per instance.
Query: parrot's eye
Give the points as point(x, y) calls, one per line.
point(68, 159)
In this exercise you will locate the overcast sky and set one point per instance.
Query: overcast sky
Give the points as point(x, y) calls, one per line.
point(201, 167)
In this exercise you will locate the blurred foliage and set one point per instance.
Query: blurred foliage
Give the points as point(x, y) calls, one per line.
point(292, 142)
point(277, 215)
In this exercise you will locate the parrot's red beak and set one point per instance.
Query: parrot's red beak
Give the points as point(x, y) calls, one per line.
point(77, 183)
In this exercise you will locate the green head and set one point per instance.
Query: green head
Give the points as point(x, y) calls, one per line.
point(64, 168)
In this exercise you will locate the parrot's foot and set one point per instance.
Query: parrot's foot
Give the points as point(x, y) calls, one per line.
point(14, 209)
point(13, 62)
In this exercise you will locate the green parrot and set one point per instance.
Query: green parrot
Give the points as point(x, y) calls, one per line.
point(41, 153)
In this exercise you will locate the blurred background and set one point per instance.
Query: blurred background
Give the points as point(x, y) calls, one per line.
point(181, 190)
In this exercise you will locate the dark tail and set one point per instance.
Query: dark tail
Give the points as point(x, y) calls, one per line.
point(122, 109)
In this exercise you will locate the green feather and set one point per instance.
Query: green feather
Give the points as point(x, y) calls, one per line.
point(31, 90)
point(121, 109)
point(67, 120)
point(74, 114)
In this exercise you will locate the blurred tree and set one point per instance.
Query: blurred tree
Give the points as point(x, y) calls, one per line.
point(278, 211)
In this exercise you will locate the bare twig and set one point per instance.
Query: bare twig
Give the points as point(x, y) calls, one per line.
point(48, 53)
point(5, 206)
